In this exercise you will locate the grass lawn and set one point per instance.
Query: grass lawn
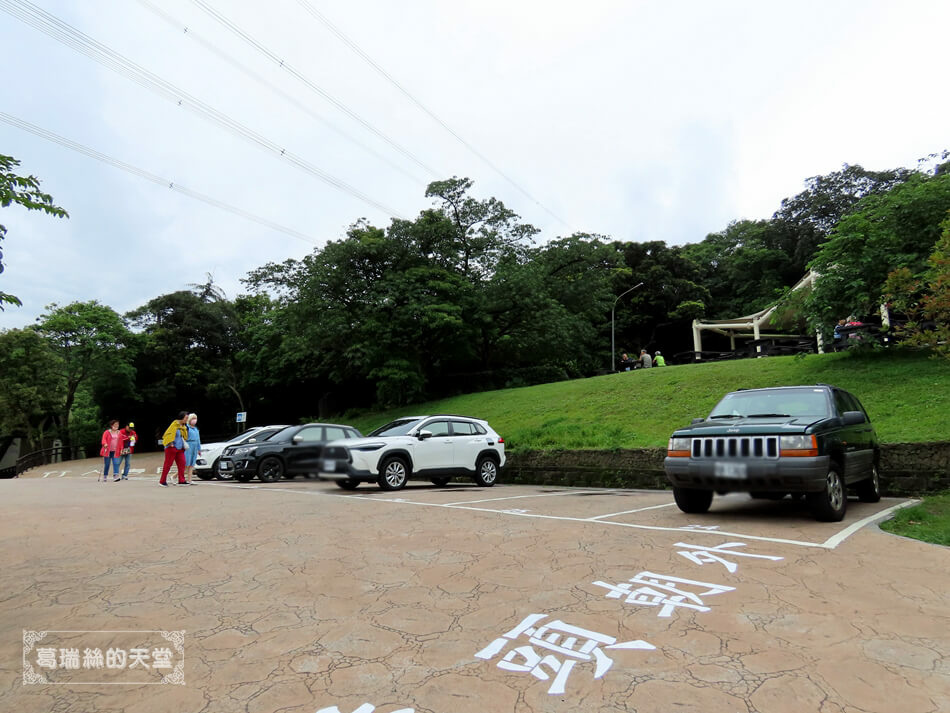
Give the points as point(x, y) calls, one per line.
point(929, 521)
point(906, 394)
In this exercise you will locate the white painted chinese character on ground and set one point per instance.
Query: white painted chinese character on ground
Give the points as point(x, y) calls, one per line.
point(704, 555)
point(365, 708)
point(116, 658)
point(92, 658)
point(700, 527)
point(69, 659)
point(137, 658)
point(46, 657)
point(572, 644)
point(161, 658)
point(658, 590)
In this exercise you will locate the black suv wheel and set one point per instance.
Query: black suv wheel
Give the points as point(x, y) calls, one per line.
point(691, 500)
point(271, 469)
point(869, 491)
point(830, 504)
point(393, 474)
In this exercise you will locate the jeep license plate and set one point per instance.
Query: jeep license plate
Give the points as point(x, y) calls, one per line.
point(731, 471)
point(329, 465)
point(224, 465)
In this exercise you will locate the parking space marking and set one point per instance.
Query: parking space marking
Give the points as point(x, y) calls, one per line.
point(627, 512)
point(513, 513)
point(840, 537)
point(539, 495)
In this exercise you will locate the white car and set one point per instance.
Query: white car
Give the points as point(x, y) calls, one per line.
point(206, 466)
point(434, 447)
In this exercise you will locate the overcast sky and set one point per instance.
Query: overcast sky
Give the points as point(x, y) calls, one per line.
point(641, 121)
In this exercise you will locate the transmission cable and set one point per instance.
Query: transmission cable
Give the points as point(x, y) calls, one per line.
point(271, 55)
point(141, 173)
point(65, 33)
point(369, 60)
point(188, 32)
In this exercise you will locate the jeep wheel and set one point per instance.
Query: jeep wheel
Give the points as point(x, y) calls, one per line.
point(869, 491)
point(348, 484)
point(830, 504)
point(393, 474)
point(270, 470)
point(440, 481)
point(486, 471)
point(692, 500)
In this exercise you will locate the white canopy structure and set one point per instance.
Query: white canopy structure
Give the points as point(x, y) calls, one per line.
point(748, 327)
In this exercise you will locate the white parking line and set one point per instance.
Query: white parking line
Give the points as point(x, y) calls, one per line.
point(539, 495)
point(513, 513)
point(627, 512)
point(837, 539)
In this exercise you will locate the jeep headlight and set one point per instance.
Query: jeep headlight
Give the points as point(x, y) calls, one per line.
point(242, 452)
point(798, 446)
point(678, 448)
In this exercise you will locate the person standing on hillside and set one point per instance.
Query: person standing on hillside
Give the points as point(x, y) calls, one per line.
point(658, 359)
point(194, 447)
point(129, 437)
point(174, 442)
point(111, 446)
point(645, 361)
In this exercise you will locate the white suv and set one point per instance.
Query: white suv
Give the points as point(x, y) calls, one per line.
point(434, 447)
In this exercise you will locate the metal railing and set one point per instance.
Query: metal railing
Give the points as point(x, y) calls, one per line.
point(44, 457)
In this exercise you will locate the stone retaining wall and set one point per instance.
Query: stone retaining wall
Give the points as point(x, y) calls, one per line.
point(905, 468)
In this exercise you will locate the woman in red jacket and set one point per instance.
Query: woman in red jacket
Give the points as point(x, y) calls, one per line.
point(111, 447)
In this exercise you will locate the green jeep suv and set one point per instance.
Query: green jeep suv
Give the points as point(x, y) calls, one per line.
point(810, 440)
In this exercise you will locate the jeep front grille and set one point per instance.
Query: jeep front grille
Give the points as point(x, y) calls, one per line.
point(735, 447)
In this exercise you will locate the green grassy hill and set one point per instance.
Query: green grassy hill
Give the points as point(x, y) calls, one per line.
point(906, 394)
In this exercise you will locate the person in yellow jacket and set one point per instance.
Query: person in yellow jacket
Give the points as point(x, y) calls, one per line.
point(658, 360)
point(174, 441)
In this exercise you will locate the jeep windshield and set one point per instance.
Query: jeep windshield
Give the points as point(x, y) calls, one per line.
point(781, 403)
point(399, 427)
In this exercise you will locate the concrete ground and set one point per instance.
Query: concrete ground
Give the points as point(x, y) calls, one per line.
point(301, 597)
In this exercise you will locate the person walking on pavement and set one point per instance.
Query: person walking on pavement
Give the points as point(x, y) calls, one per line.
point(111, 446)
point(174, 442)
point(129, 437)
point(194, 447)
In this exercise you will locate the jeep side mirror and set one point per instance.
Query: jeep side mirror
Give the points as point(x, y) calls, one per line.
point(422, 435)
point(298, 439)
point(852, 418)
point(697, 420)
point(252, 440)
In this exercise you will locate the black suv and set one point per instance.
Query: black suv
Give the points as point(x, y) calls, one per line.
point(296, 450)
point(812, 440)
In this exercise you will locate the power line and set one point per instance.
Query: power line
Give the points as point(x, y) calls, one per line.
point(233, 28)
point(184, 29)
point(39, 19)
point(369, 60)
point(141, 173)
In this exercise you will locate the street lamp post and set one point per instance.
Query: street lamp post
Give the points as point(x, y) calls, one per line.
point(613, 349)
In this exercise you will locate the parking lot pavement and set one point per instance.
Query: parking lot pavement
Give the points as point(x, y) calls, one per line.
point(303, 597)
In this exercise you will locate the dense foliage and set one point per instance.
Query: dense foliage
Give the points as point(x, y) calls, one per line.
point(466, 298)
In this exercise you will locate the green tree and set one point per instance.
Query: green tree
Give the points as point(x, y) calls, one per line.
point(24, 191)
point(887, 232)
point(924, 299)
point(31, 385)
point(89, 340)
